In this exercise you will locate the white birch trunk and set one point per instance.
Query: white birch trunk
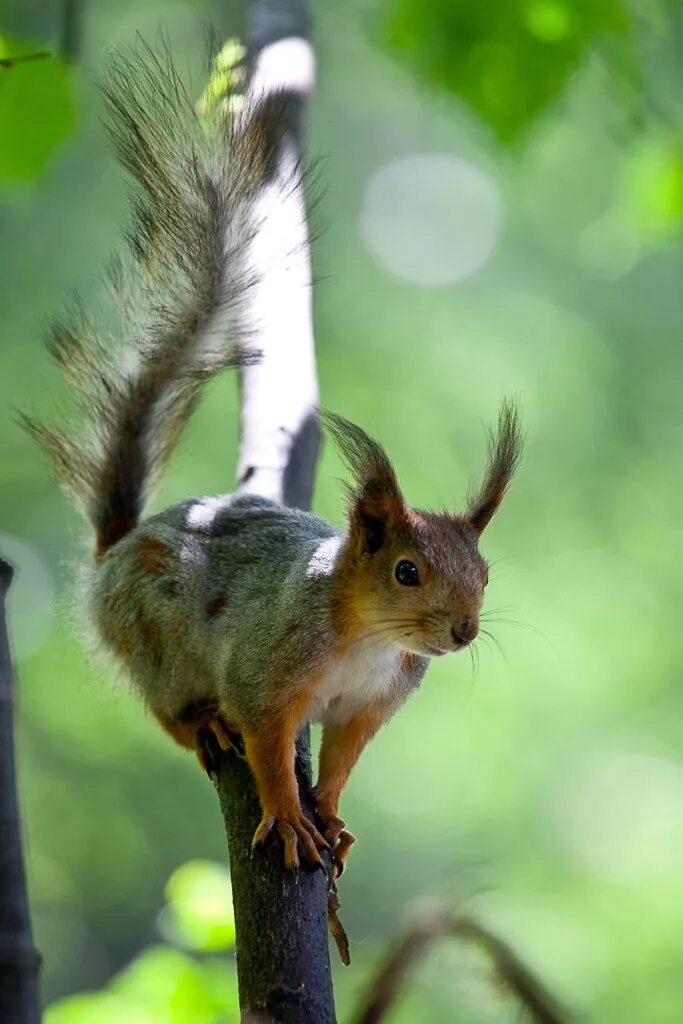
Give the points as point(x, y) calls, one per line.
point(280, 392)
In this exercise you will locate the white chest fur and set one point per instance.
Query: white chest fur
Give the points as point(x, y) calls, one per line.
point(368, 672)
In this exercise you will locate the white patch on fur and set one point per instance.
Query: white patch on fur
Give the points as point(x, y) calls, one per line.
point(202, 514)
point(364, 675)
point(200, 517)
point(324, 558)
point(285, 66)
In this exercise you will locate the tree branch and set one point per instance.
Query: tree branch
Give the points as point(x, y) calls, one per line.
point(23, 58)
point(508, 969)
point(19, 961)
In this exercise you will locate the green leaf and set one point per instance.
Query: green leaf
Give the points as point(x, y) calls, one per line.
point(508, 59)
point(36, 111)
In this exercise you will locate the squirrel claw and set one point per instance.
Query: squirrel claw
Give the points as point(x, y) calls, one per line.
point(339, 839)
point(340, 851)
point(333, 826)
point(297, 833)
point(220, 731)
point(263, 831)
point(226, 738)
point(205, 751)
point(216, 733)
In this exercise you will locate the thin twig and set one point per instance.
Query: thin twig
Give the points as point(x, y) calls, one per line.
point(336, 928)
point(23, 58)
point(508, 969)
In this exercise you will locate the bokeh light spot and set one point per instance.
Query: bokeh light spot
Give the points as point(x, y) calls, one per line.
point(548, 21)
point(199, 914)
point(432, 219)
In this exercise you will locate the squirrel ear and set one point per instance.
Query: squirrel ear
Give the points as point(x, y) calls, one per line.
point(375, 497)
point(375, 507)
point(505, 451)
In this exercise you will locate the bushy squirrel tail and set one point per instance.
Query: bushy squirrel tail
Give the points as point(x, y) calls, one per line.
point(180, 297)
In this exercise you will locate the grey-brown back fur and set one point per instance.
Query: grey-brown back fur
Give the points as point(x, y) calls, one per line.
point(229, 613)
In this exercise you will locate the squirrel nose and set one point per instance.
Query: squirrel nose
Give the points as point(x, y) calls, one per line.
point(465, 631)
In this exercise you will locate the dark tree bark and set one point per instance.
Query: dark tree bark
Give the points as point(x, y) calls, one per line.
point(283, 962)
point(19, 961)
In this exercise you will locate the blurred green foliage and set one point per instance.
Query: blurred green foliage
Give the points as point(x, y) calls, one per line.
point(36, 109)
point(508, 59)
point(165, 985)
point(545, 792)
point(199, 911)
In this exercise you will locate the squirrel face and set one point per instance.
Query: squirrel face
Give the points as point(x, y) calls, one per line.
point(410, 577)
point(423, 586)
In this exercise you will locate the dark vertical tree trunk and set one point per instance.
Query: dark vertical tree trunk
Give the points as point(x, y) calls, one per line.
point(19, 961)
point(283, 961)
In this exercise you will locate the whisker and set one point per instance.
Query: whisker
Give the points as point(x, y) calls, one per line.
point(493, 566)
point(385, 635)
point(485, 639)
point(384, 627)
point(521, 625)
point(500, 608)
point(474, 658)
point(401, 622)
point(502, 558)
point(379, 642)
point(381, 634)
point(494, 639)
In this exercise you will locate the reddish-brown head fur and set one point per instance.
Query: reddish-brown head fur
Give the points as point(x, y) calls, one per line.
point(408, 576)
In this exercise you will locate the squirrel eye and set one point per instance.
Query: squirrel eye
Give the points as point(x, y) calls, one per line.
point(486, 578)
point(407, 574)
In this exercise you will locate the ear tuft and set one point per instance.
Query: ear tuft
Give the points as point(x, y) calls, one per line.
point(375, 496)
point(505, 452)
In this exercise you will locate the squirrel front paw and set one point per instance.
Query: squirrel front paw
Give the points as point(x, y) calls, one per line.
point(297, 833)
point(340, 851)
point(340, 840)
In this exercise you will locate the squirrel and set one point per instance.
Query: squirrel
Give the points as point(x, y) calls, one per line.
point(236, 616)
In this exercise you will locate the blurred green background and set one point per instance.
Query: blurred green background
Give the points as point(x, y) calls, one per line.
point(502, 212)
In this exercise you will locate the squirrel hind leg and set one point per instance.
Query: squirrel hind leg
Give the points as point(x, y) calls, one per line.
point(201, 727)
point(216, 733)
point(207, 754)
